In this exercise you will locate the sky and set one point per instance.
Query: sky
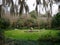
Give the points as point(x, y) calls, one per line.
point(31, 7)
point(0, 2)
point(30, 4)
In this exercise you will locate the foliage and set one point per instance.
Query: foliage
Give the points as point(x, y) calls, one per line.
point(56, 21)
point(33, 14)
point(29, 22)
point(43, 24)
point(20, 23)
point(40, 22)
point(4, 23)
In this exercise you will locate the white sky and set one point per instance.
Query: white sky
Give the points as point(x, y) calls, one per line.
point(54, 9)
point(31, 7)
point(30, 4)
point(0, 2)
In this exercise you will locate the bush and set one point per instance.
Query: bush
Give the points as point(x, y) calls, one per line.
point(4, 24)
point(29, 22)
point(33, 16)
point(20, 23)
point(56, 21)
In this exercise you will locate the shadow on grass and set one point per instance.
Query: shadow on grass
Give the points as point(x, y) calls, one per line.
point(29, 42)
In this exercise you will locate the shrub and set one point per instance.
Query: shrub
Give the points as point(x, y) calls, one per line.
point(20, 23)
point(29, 22)
point(4, 24)
point(56, 21)
point(33, 16)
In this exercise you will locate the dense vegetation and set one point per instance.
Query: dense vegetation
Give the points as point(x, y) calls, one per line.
point(56, 21)
point(32, 21)
point(4, 24)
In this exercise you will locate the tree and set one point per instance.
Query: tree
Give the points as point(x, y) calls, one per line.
point(57, 1)
point(12, 7)
point(59, 8)
point(0, 7)
point(9, 3)
point(26, 9)
point(23, 5)
point(45, 4)
point(51, 3)
point(56, 21)
point(49, 14)
point(38, 2)
point(0, 10)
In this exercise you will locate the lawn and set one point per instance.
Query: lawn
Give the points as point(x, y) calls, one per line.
point(36, 34)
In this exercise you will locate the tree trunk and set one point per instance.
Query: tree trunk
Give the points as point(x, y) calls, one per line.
point(0, 10)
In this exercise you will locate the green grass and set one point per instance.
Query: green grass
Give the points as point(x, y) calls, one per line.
point(41, 34)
